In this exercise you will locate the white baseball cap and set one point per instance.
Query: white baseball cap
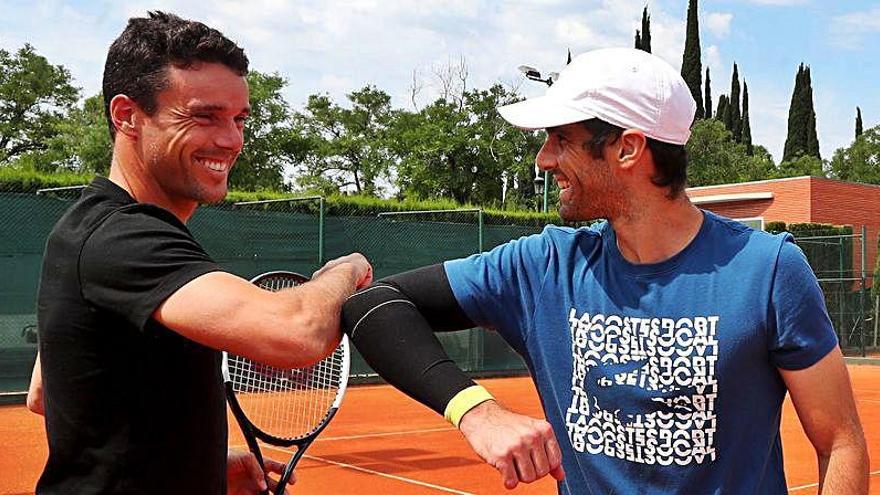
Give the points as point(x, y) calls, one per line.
point(629, 88)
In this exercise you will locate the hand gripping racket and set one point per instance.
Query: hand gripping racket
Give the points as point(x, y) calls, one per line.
point(284, 407)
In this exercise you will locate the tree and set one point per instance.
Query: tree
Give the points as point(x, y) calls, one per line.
point(708, 96)
point(643, 38)
point(746, 138)
point(691, 67)
point(269, 144)
point(801, 165)
point(345, 149)
point(812, 136)
point(734, 116)
point(34, 97)
point(721, 112)
point(715, 158)
point(860, 161)
point(465, 153)
point(801, 138)
point(858, 122)
point(82, 142)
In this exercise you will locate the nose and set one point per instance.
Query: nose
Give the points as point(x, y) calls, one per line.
point(546, 159)
point(230, 136)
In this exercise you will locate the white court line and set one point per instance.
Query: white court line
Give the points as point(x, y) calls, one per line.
point(814, 485)
point(377, 473)
point(387, 434)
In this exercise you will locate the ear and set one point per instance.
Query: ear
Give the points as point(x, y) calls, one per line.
point(124, 113)
point(632, 147)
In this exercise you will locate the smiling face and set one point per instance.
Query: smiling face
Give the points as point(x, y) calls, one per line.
point(190, 143)
point(587, 187)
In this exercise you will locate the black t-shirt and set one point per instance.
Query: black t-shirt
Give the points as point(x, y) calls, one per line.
point(131, 406)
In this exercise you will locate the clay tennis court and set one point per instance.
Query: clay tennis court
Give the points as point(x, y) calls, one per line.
point(384, 443)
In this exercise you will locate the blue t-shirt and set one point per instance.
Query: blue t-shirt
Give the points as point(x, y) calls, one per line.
point(657, 378)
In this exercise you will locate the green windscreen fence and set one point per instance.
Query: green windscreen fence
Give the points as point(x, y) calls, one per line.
point(252, 238)
point(298, 235)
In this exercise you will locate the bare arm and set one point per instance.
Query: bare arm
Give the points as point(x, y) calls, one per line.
point(291, 328)
point(35, 390)
point(822, 396)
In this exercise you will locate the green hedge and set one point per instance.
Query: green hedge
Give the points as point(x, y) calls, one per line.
point(18, 180)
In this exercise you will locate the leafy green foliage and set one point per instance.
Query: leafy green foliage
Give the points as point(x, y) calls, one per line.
point(345, 148)
point(715, 158)
point(465, 151)
point(34, 98)
point(82, 142)
point(860, 161)
point(801, 165)
point(268, 141)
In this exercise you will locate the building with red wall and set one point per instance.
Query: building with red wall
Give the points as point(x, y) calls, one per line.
point(800, 200)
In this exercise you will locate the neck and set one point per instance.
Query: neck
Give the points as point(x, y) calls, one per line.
point(128, 171)
point(657, 229)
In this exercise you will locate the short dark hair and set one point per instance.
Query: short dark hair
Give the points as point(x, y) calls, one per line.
point(137, 62)
point(670, 160)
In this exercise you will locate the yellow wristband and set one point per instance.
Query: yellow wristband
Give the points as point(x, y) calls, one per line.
point(464, 401)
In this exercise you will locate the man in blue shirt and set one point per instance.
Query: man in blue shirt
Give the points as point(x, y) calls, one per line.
point(662, 341)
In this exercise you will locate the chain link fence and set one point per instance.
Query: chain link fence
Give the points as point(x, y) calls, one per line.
point(840, 260)
point(249, 238)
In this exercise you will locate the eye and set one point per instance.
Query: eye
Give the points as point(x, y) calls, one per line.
point(203, 117)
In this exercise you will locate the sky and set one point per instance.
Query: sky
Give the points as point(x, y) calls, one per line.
point(336, 47)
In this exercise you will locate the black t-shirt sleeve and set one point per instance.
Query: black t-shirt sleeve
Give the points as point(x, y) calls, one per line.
point(136, 258)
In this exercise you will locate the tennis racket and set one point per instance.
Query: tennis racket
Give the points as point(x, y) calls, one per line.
point(284, 407)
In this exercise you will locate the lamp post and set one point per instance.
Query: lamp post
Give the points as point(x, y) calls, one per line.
point(535, 75)
point(541, 182)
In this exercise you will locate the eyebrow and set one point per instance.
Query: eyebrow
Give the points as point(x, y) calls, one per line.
point(208, 107)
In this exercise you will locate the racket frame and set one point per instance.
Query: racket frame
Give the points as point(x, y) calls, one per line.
point(252, 432)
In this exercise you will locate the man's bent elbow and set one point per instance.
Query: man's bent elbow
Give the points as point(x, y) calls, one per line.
point(35, 403)
point(304, 343)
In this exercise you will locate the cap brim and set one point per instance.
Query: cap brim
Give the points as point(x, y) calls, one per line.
point(540, 113)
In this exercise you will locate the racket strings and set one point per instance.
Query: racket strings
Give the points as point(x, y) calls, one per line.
point(286, 403)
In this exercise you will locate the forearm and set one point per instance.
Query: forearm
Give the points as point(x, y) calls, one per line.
point(35, 390)
point(844, 470)
point(290, 328)
point(387, 324)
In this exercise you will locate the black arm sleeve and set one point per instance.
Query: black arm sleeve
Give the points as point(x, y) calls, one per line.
point(392, 324)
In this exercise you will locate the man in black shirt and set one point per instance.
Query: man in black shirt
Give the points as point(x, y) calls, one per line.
point(131, 309)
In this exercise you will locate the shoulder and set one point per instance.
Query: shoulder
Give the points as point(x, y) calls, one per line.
point(138, 220)
point(562, 236)
point(725, 228)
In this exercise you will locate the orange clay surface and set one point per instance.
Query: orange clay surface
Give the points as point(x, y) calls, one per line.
point(384, 443)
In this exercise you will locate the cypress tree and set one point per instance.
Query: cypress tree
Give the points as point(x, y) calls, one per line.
point(708, 95)
point(812, 137)
point(638, 45)
point(691, 67)
point(646, 31)
point(859, 129)
point(721, 111)
point(796, 139)
point(746, 126)
point(733, 107)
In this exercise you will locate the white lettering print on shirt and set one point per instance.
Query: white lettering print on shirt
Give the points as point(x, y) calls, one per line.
point(644, 389)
